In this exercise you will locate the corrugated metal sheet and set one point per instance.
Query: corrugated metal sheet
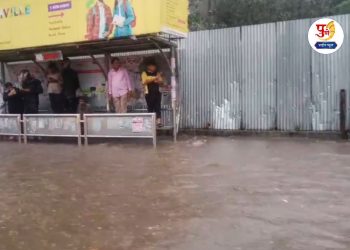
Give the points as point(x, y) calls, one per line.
point(259, 77)
point(210, 73)
point(330, 74)
point(263, 77)
point(294, 110)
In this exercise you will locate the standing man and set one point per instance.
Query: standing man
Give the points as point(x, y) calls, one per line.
point(99, 23)
point(31, 89)
point(119, 86)
point(13, 98)
point(70, 86)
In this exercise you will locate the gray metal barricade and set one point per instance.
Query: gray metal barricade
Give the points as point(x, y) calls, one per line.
point(120, 126)
point(10, 125)
point(52, 125)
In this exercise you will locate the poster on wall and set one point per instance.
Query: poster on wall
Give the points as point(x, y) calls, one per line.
point(92, 83)
point(51, 22)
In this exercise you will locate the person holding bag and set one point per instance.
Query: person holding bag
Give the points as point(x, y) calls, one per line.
point(13, 98)
point(124, 18)
point(152, 80)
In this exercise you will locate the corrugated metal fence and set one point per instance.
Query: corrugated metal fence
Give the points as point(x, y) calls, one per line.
point(262, 77)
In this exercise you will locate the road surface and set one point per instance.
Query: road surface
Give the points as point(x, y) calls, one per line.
point(200, 194)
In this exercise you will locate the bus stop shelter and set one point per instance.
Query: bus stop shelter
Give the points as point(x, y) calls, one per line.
point(160, 40)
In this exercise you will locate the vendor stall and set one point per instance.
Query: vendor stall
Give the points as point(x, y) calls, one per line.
point(90, 33)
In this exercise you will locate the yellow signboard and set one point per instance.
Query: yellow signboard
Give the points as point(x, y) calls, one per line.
point(175, 17)
point(33, 23)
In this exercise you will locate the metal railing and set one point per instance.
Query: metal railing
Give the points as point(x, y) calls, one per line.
point(137, 125)
point(10, 125)
point(52, 125)
point(134, 125)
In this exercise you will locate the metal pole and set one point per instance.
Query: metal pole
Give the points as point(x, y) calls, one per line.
point(343, 110)
point(79, 130)
point(25, 129)
point(95, 61)
point(20, 129)
point(86, 142)
point(162, 53)
point(108, 63)
point(154, 131)
point(3, 72)
point(173, 91)
point(2, 82)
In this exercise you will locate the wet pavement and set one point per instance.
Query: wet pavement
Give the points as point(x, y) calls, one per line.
point(203, 194)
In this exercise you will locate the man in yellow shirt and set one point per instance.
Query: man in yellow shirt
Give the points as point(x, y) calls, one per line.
point(152, 80)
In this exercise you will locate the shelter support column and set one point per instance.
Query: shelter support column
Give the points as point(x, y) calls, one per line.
point(3, 79)
point(108, 64)
point(174, 101)
point(343, 111)
point(3, 72)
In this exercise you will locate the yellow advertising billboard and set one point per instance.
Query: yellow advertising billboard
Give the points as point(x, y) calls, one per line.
point(33, 23)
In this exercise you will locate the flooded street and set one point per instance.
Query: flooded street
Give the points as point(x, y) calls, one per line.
point(203, 194)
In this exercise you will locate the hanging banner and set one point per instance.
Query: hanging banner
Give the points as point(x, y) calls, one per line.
point(49, 56)
point(33, 23)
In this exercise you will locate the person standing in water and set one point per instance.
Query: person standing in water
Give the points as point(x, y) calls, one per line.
point(70, 86)
point(55, 88)
point(31, 89)
point(152, 80)
point(13, 98)
point(119, 86)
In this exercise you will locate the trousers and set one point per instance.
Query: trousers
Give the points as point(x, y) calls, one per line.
point(154, 101)
point(121, 104)
point(57, 103)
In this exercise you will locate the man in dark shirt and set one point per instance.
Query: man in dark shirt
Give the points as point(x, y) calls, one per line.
point(70, 86)
point(31, 89)
point(13, 98)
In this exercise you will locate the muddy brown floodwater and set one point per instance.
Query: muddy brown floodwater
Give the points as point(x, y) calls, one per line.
point(203, 194)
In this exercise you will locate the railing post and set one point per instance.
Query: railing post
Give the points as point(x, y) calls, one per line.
point(86, 142)
point(343, 110)
point(25, 138)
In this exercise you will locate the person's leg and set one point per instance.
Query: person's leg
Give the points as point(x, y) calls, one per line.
point(30, 106)
point(124, 104)
point(75, 102)
point(71, 107)
point(60, 103)
point(57, 103)
point(67, 105)
point(116, 101)
point(158, 107)
point(52, 102)
point(149, 103)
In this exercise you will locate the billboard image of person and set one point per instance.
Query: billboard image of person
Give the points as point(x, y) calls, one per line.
point(124, 18)
point(99, 21)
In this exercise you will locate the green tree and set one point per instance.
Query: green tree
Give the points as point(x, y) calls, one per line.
point(343, 7)
point(229, 13)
